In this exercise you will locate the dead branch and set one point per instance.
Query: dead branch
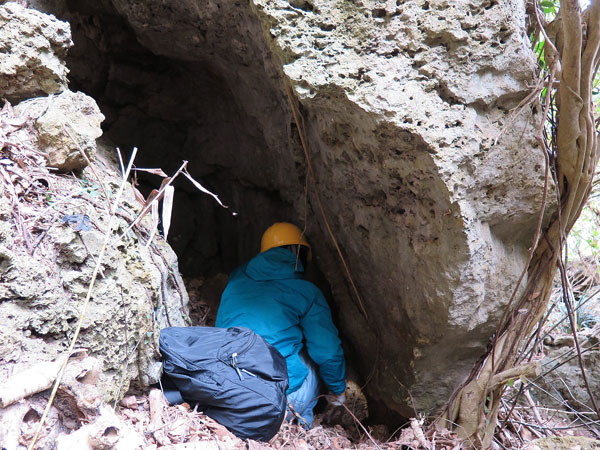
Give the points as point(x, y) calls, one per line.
point(529, 370)
point(86, 301)
point(158, 404)
point(36, 379)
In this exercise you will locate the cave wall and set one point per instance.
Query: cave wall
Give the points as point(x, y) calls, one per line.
point(54, 227)
point(431, 190)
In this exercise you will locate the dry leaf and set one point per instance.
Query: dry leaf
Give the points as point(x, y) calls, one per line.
point(158, 172)
point(202, 188)
point(154, 223)
point(138, 195)
point(167, 208)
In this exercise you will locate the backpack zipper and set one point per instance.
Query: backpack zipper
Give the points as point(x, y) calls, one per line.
point(234, 365)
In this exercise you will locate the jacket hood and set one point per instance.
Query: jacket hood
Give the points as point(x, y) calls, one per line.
point(274, 264)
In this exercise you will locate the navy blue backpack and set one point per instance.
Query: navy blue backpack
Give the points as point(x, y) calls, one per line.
point(233, 375)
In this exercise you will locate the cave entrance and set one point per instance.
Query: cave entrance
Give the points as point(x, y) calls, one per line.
point(174, 110)
point(197, 109)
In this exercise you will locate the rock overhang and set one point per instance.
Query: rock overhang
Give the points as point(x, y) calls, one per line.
point(403, 103)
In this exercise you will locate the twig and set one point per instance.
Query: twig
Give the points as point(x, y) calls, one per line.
point(54, 204)
point(574, 331)
point(412, 400)
point(163, 288)
point(121, 166)
point(536, 413)
point(176, 281)
point(318, 197)
point(85, 304)
point(89, 252)
point(147, 207)
point(295, 414)
point(362, 426)
point(126, 345)
point(43, 235)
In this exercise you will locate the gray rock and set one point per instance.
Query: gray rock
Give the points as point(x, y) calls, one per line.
point(73, 111)
point(431, 187)
point(563, 388)
point(565, 443)
point(33, 47)
point(43, 293)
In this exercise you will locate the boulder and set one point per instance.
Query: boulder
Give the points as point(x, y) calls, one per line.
point(562, 386)
point(138, 291)
point(66, 124)
point(564, 443)
point(430, 184)
point(33, 47)
point(431, 187)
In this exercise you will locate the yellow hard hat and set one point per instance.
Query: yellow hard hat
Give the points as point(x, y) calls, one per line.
point(283, 233)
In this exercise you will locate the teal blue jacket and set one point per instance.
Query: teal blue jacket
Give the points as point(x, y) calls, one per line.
point(269, 296)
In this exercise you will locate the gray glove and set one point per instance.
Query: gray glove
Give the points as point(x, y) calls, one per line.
point(336, 400)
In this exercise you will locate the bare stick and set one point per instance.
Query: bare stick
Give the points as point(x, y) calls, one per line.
point(126, 347)
point(362, 426)
point(121, 166)
point(146, 208)
point(31, 381)
point(85, 303)
point(318, 197)
point(536, 413)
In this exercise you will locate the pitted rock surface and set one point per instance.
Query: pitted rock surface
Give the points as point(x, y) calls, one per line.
point(66, 125)
point(42, 294)
point(33, 47)
point(431, 186)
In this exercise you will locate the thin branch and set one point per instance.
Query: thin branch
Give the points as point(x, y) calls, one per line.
point(85, 305)
point(574, 331)
point(320, 204)
point(91, 166)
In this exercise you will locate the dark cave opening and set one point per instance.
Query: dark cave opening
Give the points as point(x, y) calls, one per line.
point(174, 110)
point(400, 170)
point(222, 107)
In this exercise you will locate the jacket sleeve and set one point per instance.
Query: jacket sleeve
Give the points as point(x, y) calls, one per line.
point(323, 344)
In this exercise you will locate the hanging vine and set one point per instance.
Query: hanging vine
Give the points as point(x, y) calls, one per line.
point(572, 41)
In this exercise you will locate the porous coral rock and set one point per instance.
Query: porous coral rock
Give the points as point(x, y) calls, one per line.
point(431, 187)
point(57, 116)
point(43, 292)
point(33, 47)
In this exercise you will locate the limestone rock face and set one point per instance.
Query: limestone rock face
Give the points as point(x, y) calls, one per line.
point(73, 111)
point(43, 284)
point(33, 47)
point(432, 198)
point(431, 187)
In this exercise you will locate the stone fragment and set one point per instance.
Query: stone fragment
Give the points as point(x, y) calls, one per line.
point(33, 47)
point(74, 111)
point(562, 386)
point(565, 443)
